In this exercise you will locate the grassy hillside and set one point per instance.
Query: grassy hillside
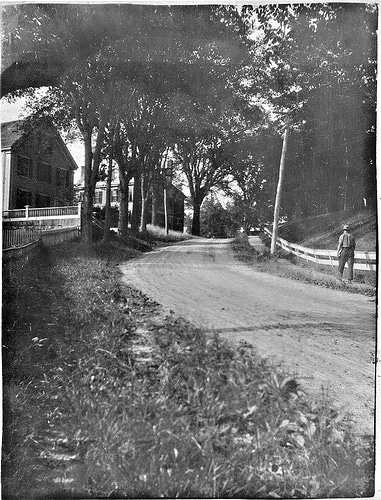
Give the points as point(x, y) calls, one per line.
point(324, 230)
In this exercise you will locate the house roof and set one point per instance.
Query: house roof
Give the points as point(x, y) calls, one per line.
point(10, 133)
point(175, 189)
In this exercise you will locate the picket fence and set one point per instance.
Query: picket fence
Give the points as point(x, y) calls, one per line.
point(16, 238)
point(22, 227)
point(366, 261)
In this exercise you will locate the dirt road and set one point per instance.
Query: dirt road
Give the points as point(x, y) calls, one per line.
point(326, 337)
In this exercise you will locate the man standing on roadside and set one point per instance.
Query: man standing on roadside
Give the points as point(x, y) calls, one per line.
point(346, 252)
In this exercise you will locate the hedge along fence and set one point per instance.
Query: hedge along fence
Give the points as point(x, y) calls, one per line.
point(366, 261)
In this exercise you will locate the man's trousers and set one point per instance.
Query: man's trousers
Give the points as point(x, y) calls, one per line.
point(347, 255)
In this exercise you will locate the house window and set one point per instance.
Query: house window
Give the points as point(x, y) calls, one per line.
point(48, 150)
point(42, 200)
point(24, 166)
point(115, 195)
point(23, 198)
point(44, 172)
point(63, 178)
point(98, 197)
point(59, 177)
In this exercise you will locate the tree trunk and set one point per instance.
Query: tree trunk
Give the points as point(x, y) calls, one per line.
point(87, 224)
point(196, 223)
point(88, 195)
point(92, 162)
point(135, 217)
point(279, 193)
point(124, 202)
point(106, 235)
point(156, 188)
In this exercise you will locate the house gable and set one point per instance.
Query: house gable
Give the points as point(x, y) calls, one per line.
point(10, 134)
point(37, 167)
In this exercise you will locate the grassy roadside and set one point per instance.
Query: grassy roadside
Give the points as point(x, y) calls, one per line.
point(323, 231)
point(289, 266)
point(106, 397)
point(157, 234)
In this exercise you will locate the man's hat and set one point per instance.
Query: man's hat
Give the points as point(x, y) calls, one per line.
point(346, 226)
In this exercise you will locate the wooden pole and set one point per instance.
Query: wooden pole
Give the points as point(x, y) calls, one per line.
point(279, 192)
point(164, 173)
point(166, 229)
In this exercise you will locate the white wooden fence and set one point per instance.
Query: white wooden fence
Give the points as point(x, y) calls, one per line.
point(25, 226)
point(366, 261)
point(47, 213)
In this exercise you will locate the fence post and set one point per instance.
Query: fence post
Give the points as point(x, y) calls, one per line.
point(26, 211)
point(330, 259)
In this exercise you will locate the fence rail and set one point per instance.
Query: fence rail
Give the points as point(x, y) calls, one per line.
point(366, 261)
point(29, 213)
point(16, 238)
point(25, 226)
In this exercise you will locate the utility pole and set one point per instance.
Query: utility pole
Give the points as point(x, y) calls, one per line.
point(167, 184)
point(166, 229)
point(279, 192)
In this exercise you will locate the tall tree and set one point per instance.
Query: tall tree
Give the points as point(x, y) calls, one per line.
point(204, 161)
point(251, 180)
point(205, 127)
point(98, 46)
point(125, 157)
point(321, 64)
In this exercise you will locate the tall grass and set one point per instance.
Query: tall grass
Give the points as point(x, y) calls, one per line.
point(194, 418)
point(158, 233)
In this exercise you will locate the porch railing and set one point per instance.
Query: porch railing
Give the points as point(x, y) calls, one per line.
point(29, 213)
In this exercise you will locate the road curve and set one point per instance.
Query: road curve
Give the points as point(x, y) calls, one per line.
point(326, 337)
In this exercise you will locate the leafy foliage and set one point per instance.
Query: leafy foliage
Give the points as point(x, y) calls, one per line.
point(321, 76)
point(204, 81)
point(216, 221)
